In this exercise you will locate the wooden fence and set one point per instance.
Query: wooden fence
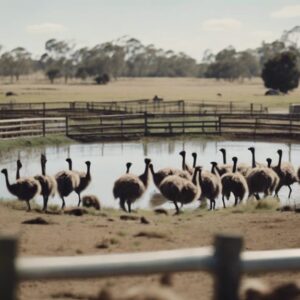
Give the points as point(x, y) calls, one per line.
point(139, 125)
point(55, 109)
point(13, 128)
point(225, 262)
point(135, 126)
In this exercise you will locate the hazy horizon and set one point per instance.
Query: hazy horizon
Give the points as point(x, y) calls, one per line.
point(187, 26)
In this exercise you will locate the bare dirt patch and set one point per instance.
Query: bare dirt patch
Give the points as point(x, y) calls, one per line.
point(261, 229)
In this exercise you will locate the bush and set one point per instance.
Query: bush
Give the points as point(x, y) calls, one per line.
point(102, 79)
point(281, 72)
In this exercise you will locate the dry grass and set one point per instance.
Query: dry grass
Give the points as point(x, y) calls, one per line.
point(37, 89)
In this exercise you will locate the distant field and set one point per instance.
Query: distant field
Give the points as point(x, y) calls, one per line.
point(37, 89)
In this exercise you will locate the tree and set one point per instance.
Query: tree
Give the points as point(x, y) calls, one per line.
point(249, 64)
point(22, 62)
point(58, 56)
point(226, 65)
point(282, 72)
point(53, 74)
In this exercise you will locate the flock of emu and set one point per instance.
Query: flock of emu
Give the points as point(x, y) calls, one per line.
point(180, 186)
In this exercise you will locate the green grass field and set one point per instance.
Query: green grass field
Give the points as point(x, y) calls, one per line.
point(37, 89)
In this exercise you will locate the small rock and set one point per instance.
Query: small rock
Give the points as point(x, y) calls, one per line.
point(102, 245)
point(91, 201)
point(144, 220)
point(161, 211)
point(75, 211)
point(36, 221)
point(129, 218)
point(166, 279)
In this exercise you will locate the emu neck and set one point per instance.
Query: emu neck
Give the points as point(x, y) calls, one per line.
point(152, 171)
point(194, 178)
point(127, 169)
point(269, 164)
point(144, 177)
point(18, 173)
point(8, 185)
point(234, 166)
point(88, 171)
point(183, 163)
point(194, 161)
point(70, 165)
point(253, 159)
point(216, 171)
point(224, 157)
point(279, 160)
point(43, 164)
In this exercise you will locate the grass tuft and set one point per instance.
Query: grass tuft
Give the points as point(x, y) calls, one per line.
point(7, 145)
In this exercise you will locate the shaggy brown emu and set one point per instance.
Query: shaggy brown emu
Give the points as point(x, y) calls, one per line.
point(24, 189)
point(235, 183)
point(67, 182)
point(84, 178)
point(180, 190)
point(129, 187)
point(48, 183)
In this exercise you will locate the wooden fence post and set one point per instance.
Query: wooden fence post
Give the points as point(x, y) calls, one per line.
point(145, 123)
point(227, 267)
point(67, 126)
point(122, 127)
point(251, 108)
point(44, 109)
point(183, 107)
point(8, 282)
point(44, 127)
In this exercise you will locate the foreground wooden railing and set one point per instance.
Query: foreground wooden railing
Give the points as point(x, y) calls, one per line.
point(225, 262)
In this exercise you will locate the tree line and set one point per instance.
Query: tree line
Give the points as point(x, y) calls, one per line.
point(128, 57)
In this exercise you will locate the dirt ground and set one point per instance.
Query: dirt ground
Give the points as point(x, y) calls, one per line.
point(107, 233)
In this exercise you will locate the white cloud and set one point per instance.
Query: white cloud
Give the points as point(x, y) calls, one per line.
point(221, 25)
point(289, 11)
point(264, 35)
point(45, 28)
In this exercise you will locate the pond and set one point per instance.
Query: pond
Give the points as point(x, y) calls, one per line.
point(109, 159)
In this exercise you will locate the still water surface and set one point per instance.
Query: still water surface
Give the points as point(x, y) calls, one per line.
point(109, 159)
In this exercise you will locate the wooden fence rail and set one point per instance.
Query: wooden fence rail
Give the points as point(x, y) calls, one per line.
point(60, 108)
point(138, 125)
point(134, 126)
point(13, 128)
point(225, 262)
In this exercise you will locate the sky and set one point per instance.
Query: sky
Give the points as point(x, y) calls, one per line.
point(190, 26)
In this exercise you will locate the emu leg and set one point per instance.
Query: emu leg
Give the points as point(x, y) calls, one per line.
point(277, 190)
point(63, 203)
point(290, 191)
point(223, 200)
point(45, 202)
point(122, 205)
point(129, 206)
point(214, 204)
point(28, 205)
point(235, 200)
point(177, 208)
point(79, 199)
